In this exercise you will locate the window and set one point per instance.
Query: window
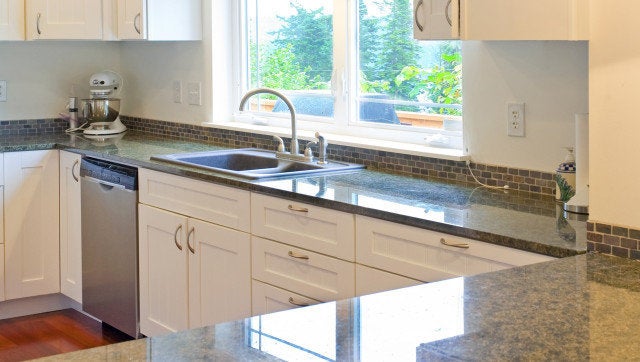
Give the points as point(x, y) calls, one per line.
point(351, 67)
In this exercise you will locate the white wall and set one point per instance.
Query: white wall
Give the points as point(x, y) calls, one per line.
point(614, 124)
point(551, 78)
point(40, 74)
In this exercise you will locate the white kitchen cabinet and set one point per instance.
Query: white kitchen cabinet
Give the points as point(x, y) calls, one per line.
point(31, 208)
point(501, 19)
point(435, 19)
point(160, 19)
point(70, 226)
point(70, 19)
point(431, 256)
point(12, 19)
point(192, 273)
point(370, 280)
point(266, 298)
point(302, 271)
point(306, 226)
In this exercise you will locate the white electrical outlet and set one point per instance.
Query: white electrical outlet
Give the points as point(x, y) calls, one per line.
point(515, 119)
point(193, 91)
point(177, 91)
point(3, 90)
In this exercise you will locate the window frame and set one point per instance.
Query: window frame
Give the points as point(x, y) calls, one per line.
point(344, 88)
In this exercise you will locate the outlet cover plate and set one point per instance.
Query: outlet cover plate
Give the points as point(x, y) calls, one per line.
point(177, 91)
point(515, 119)
point(194, 90)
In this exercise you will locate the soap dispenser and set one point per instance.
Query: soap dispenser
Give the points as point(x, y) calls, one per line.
point(565, 177)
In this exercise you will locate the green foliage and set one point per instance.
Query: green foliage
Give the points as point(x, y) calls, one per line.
point(310, 34)
point(281, 71)
point(301, 56)
point(566, 190)
point(440, 84)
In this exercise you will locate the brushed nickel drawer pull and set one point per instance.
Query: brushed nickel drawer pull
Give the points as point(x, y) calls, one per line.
point(415, 16)
point(298, 256)
point(446, 13)
point(73, 174)
point(298, 209)
point(136, 19)
point(292, 301)
point(455, 245)
point(191, 248)
point(38, 23)
point(175, 237)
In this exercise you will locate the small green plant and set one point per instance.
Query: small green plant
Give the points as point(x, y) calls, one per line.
point(566, 190)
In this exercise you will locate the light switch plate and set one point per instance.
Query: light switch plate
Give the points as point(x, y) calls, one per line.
point(3, 90)
point(193, 92)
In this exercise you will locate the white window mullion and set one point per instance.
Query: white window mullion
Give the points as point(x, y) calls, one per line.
point(342, 55)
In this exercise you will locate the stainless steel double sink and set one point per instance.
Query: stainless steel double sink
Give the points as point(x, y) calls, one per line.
point(253, 163)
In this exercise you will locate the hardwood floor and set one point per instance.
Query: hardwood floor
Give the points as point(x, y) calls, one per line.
point(52, 333)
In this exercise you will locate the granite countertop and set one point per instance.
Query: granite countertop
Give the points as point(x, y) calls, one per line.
point(577, 308)
point(511, 218)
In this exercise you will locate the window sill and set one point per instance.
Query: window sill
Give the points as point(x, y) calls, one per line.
point(343, 140)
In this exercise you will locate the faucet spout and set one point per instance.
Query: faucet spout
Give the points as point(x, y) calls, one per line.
point(295, 149)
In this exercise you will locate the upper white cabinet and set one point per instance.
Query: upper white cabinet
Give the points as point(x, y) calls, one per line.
point(435, 19)
point(70, 19)
point(31, 223)
point(160, 19)
point(501, 19)
point(11, 19)
point(70, 226)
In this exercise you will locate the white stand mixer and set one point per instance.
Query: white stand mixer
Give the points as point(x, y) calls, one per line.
point(102, 109)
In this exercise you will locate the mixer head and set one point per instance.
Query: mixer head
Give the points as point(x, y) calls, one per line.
point(105, 84)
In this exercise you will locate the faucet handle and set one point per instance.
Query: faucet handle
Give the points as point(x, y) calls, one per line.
point(322, 149)
point(308, 152)
point(280, 143)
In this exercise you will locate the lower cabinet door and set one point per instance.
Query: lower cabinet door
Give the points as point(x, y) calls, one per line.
point(370, 280)
point(31, 207)
point(219, 274)
point(266, 298)
point(70, 226)
point(163, 274)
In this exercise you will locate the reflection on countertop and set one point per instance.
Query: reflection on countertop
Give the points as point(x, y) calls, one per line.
point(577, 308)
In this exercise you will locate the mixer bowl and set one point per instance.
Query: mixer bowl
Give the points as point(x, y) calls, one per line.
point(101, 110)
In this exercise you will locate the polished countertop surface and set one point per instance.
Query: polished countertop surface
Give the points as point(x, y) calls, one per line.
point(577, 308)
point(511, 218)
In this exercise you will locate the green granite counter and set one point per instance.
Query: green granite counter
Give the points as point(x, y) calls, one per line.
point(511, 218)
point(577, 308)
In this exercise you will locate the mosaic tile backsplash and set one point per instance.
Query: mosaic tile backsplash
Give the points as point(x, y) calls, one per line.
point(32, 127)
point(613, 240)
point(409, 165)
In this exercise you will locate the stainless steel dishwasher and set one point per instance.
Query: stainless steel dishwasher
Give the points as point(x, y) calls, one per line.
point(110, 243)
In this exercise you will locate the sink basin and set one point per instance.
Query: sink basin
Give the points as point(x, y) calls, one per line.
point(252, 163)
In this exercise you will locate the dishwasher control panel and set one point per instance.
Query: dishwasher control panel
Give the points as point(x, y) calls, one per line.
point(110, 172)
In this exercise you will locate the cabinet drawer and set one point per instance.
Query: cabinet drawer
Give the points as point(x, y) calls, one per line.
point(370, 280)
point(420, 254)
point(266, 298)
point(310, 227)
point(220, 205)
point(316, 276)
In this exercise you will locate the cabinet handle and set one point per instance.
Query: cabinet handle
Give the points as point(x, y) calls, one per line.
point(175, 237)
point(191, 249)
point(455, 245)
point(73, 168)
point(38, 23)
point(298, 256)
point(298, 209)
point(292, 301)
point(136, 20)
point(446, 13)
point(415, 16)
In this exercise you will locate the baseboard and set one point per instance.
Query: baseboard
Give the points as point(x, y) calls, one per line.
point(35, 305)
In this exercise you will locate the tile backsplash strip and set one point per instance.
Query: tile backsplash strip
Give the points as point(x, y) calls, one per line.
point(410, 165)
point(613, 240)
point(30, 127)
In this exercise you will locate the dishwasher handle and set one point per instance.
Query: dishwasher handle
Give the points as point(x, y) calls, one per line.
point(105, 183)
